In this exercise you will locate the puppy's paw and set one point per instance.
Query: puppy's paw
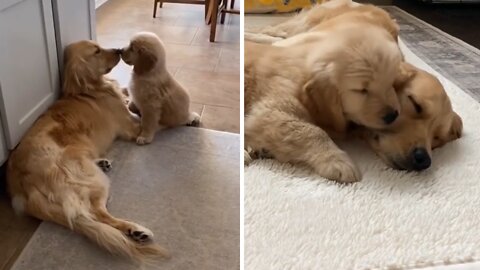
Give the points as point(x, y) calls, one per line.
point(104, 164)
point(193, 120)
point(144, 140)
point(339, 168)
point(140, 234)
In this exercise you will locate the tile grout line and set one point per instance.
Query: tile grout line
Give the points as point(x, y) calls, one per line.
point(218, 61)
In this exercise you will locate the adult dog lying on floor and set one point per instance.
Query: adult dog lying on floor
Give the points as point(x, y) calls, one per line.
point(53, 173)
point(428, 120)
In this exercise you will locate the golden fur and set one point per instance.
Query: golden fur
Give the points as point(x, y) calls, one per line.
point(159, 98)
point(412, 132)
point(53, 173)
point(427, 121)
point(321, 79)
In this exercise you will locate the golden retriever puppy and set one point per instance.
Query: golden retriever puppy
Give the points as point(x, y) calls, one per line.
point(160, 99)
point(408, 143)
point(427, 121)
point(53, 173)
point(350, 72)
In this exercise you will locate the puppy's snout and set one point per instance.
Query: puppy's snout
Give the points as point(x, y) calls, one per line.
point(420, 159)
point(390, 117)
point(118, 51)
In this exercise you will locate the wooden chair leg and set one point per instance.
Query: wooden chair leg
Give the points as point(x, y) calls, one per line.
point(224, 7)
point(213, 22)
point(161, 3)
point(232, 4)
point(155, 8)
point(207, 5)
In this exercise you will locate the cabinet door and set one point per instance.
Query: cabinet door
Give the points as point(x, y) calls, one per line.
point(3, 147)
point(74, 21)
point(29, 68)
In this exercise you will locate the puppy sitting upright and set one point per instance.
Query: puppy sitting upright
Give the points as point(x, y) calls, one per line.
point(161, 101)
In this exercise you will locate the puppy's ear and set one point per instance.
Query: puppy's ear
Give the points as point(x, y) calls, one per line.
point(146, 60)
point(457, 126)
point(405, 73)
point(325, 99)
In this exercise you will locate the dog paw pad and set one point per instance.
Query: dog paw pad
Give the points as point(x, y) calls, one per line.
point(104, 164)
point(141, 236)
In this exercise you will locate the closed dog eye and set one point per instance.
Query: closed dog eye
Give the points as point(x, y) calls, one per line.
point(417, 106)
point(363, 91)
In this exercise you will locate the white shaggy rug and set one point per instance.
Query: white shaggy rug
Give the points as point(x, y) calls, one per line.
point(390, 220)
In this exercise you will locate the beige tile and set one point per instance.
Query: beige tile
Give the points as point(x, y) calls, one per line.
point(211, 88)
point(197, 107)
point(229, 61)
point(226, 35)
point(192, 57)
point(221, 118)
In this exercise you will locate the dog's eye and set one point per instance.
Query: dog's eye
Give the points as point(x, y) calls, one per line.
point(97, 51)
point(363, 91)
point(417, 106)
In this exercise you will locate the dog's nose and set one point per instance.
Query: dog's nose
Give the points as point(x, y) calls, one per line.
point(118, 51)
point(420, 159)
point(390, 117)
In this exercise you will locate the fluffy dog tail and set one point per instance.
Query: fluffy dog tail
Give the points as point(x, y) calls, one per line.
point(115, 241)
point(77, 217)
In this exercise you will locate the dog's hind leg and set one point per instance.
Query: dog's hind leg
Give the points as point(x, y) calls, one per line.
point(98, 200)
point(290, 138)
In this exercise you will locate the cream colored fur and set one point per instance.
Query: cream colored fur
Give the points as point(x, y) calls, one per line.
point(296, 96)
point(423, 100)
point(159, 98)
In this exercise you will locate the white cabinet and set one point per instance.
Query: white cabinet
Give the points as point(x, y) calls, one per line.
point(33, 35)
point(3, 147)
point(29, 76)
point(74, 21)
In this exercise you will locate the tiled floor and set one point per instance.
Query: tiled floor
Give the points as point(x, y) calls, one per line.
point(210, 71)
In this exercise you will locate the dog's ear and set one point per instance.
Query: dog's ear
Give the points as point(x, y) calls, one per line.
point(77, 76)
point(405, 73)
point(327, 103)
point(146, 60)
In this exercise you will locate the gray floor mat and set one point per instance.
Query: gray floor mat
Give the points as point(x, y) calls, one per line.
point(184, 187)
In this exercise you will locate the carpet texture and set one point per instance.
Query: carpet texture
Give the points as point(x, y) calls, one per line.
point(390, 220)
point(184, 187)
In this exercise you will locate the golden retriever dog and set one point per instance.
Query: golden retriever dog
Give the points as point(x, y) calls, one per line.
point(161, 101)
point(53, 173)
point(427, 121)
point(407, 143)
point(318, 17)
point(296, 97)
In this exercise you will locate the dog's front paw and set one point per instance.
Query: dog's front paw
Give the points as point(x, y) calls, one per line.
point(104, 164)
point(193, 120)
point(144, 140)
point(339, 168)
